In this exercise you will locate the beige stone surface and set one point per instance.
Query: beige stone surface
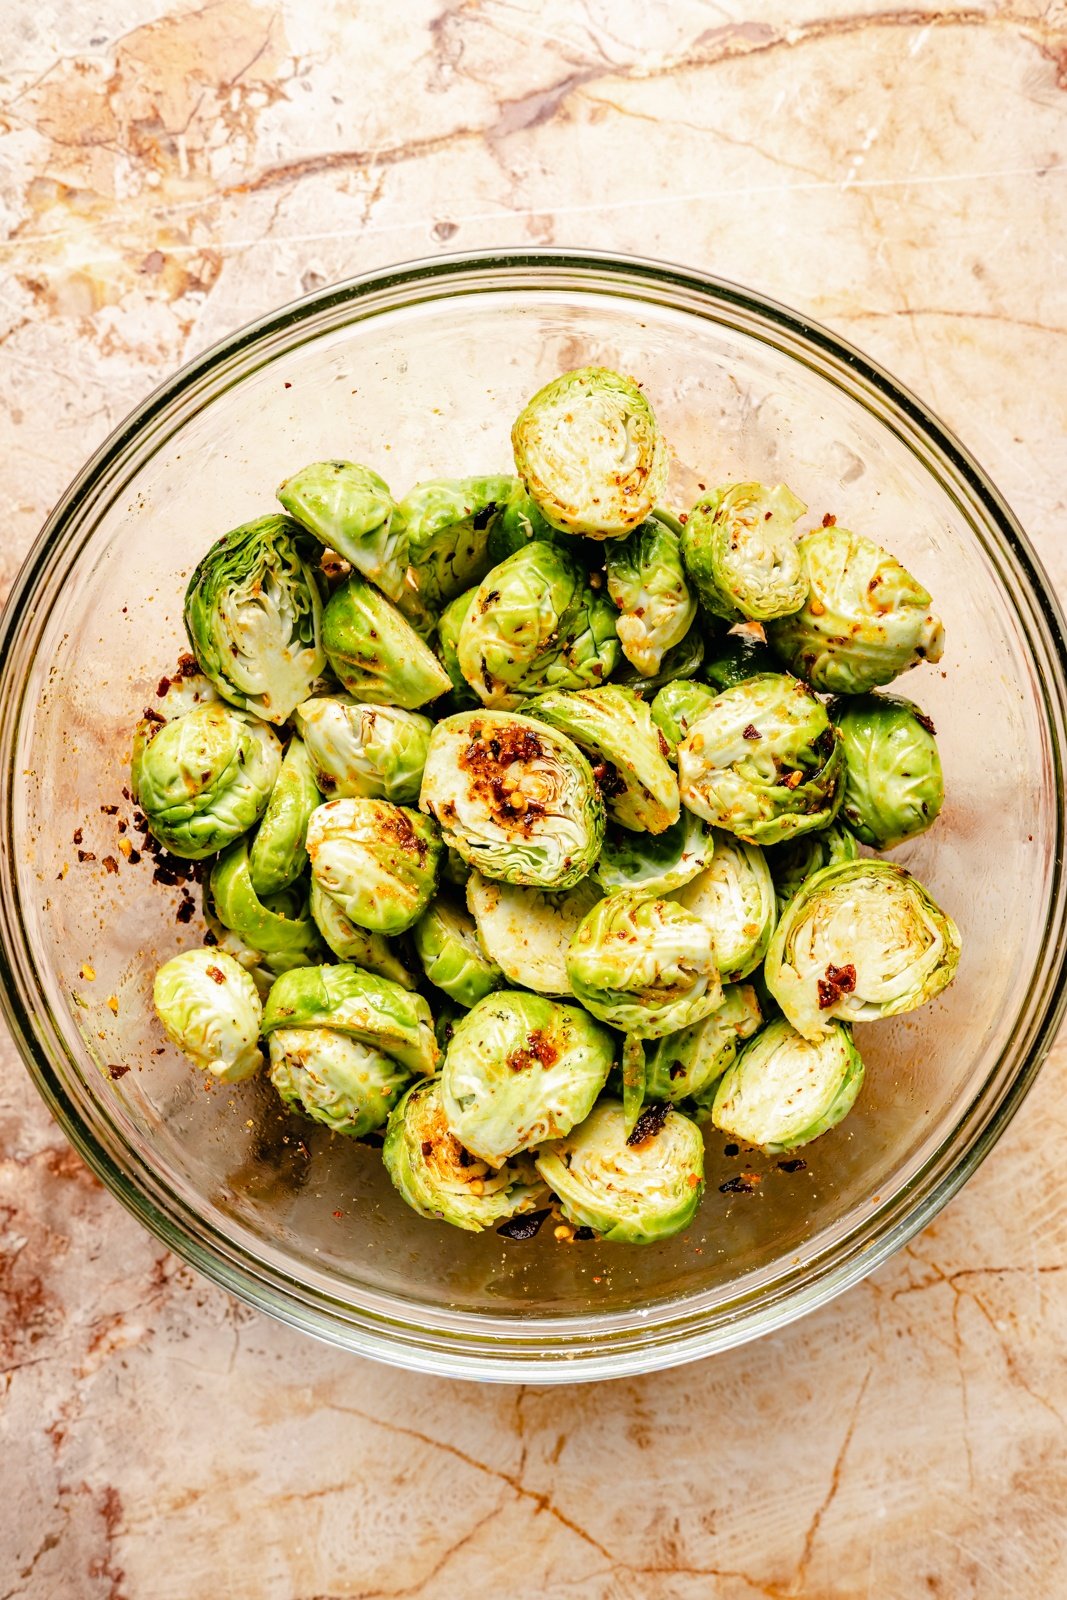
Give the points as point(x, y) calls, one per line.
point(168, 171)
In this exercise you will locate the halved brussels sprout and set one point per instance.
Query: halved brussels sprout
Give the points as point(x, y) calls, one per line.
point(646, 580)
point(654, 863)
point(859, 940)
point(376, 652)
point(449, 626)
point(372, 1009)
point(644, 965)
point(682, 660)
point(764, 761)
point(687, 1064)
point(734, 896)
point(521, 1069)
point(440, 1180)
point(276, 856)
point(865, 620)
point(631, 1189)
point(349, 509)
point(515, 798)
point(518, 523)
point(280, 927)
point(528, 931)
point(378, 862)
point(784, 1090)
point(447, 944)
point(741, 552)
point(536, 623)
point(446, 522)
point(677, 706)
point(795, 861)
point(739, 655)
point(350, 942)
point(334, 1079)
point(205, 778)
point(590, 453)
point(253, 613)
point(358, 751)
point(614, 728)
point(210, 1009)
point(894, 789)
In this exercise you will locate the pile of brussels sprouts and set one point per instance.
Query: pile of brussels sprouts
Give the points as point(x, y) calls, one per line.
point(529, 837)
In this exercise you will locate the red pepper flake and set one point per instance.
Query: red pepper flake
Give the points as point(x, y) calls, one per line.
point(161, 687)
point(216, 974)
point(744, 1183)
point(151, 715)
point(337, 1215)
point(86, 855)
point(116, 1069)
point(110, 864)
point(78, 836)
point(184, 913)
point(730, 1149)
point(829, 521)
point(287, 386)
point(133, 857)
point(795, 1164)
point(110, 811)
point(750, 731)
point(649, 1123)
point(518, 1229)
point(838, 981)
point(925, 722)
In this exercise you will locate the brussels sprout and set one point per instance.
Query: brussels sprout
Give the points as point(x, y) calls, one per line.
point(865, 619)
point(631, 1189)
point(205, 778)
point(784, 1090)
point(644, 965)
point(614, 728)
point(449, 626)
point(378, 862)
point(734, 896)
point(517, 524)
point(280, 927)
point(334, 1079)
point(646, 580)
point(276, 856)
point(376, 652)
point(682, 660)
point(738, 656)
point(446, 522)
point(454, 869)
point(535, 623)
point(446, 1017)
point(528, 931)
point(440, 1180)
point(684, 1066)
point(515, 798)
point(893, 784)
point(590, 454)
point(372, 1009)
point(446, 941)
point(350, 942)
point(677, 706)
point(741, 552)
point(253, 614)
point(185, 691)
point(764, 761)
point(794, 862)
point(357, 751)
point(654, 863)
point(349, 509)
point(210, 1009)
point(859, 940)
point(521, 1069)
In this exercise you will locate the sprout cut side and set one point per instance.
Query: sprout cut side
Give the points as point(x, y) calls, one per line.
point(527, 932)
point(734, 897)
point(784, 1090)
point(741, 552)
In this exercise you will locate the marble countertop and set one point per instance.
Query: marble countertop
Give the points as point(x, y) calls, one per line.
point(167, 172)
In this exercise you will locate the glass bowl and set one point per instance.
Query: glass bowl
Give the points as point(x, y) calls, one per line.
point(419, 372)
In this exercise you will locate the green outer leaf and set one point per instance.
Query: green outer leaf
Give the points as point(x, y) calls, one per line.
point(740, 550)
point(682, 660)
point(427, 1165)
point(449, 626)
point(334, 1079)
point(894, 788)
point(643, 965)
point(521, 1069)
point(370, 1008)
point(646, 580)
point(628, 1194)
point(784, 1090)
point(349, 509)
point(253, 613)
point(358, 751)
point(613, 725)
point(685, 1066)
point(736, 657)
point(463, 787)
point(865, 620)
point(215, 1023)
point(795, 861)
point(277, 856)
point(371, 951)
point(634, 1080)
point(446, 942)
point(655, 863)
point(378, 861)
point(874, 923)
point(376, 652)
point(517, 524)
point(677, 706)
point(734, 896)
point(264, 926)
point(590, 454)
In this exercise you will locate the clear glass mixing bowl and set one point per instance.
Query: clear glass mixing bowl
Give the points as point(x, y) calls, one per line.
point(419, 372)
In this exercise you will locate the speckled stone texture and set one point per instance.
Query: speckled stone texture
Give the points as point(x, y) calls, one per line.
point(168, 172)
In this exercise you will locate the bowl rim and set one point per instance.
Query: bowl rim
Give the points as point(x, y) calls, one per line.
point(673, 1331)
